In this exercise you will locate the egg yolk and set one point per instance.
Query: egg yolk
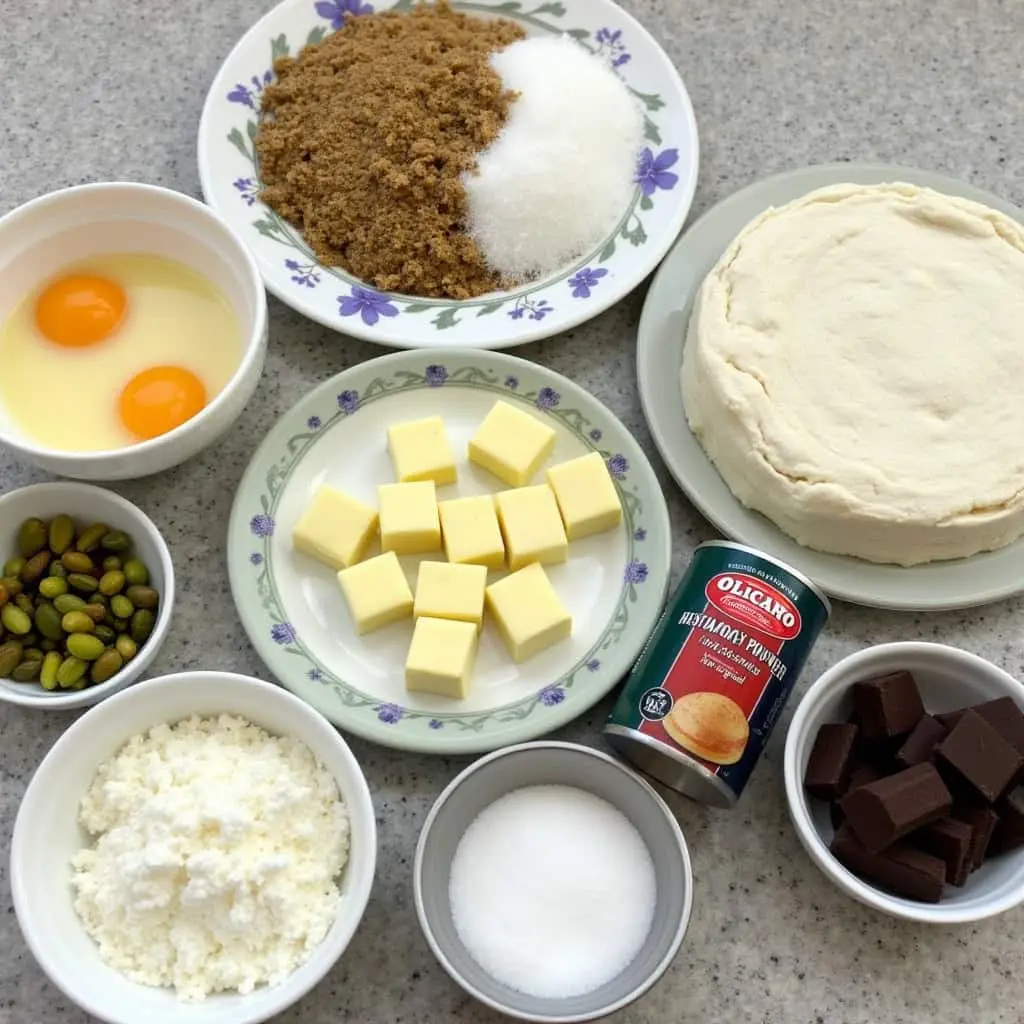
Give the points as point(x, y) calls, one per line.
point(80, 310)
point(159, 399)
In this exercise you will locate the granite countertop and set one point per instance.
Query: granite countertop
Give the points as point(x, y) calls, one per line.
point(113, 90)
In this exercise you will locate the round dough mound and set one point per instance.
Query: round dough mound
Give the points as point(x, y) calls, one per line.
point(853, 370)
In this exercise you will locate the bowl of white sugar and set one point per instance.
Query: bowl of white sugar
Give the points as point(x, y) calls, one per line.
point(553, 883)
point(198, 849)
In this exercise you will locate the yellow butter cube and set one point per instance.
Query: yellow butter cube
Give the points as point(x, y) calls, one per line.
point(528, 612)
point(377, 592)
point(471, 532)
point(441, 657)
point(532, 526)
point(511, 444)
point(335, 528)
point(586, 495)
point(420, 450)
point(408, 517)
point(448, 591)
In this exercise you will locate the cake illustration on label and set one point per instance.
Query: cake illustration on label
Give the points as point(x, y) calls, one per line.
point(710, 725)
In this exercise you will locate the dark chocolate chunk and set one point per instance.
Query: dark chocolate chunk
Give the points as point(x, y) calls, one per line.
point(918, 746)
point(1009, 832)
point(888, 705)
point(884, 811)
point(979, 757)
point(828, 767)
point(902, 869)
point(983, 821)
point(950, 718)
point(1006, 718)
point(862, 775)
point(950, 840)
point(835, 813)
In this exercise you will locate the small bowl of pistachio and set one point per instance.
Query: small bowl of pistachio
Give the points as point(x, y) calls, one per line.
point(86, 594)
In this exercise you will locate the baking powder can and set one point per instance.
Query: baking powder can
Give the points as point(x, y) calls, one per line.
point(701, 702)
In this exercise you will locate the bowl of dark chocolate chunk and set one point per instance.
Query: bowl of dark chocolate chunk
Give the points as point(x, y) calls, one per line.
point(904, 771)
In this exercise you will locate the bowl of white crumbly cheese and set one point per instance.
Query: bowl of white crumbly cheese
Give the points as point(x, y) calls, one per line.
point(553, 883)
point(198, 849)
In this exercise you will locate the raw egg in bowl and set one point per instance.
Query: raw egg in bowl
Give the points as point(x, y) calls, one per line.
point(133, 330)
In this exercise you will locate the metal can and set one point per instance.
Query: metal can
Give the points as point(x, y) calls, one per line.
point(702, 700)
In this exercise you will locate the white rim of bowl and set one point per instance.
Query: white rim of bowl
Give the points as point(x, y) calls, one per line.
point(34, 933)
point(59, 701)
point(895, 906)
point(659, 803)
point(254, 280)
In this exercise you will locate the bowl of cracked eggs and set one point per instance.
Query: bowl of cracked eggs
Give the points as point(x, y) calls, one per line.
point(198, 849)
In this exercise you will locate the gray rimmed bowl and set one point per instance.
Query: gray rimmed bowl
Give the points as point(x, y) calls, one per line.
point(566, 764)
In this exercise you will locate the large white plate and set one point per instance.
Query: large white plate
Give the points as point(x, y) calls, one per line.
point(614, 584)
point(665, 181)
point(939, 585)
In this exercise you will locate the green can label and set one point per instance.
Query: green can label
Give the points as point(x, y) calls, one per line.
point(717, 671)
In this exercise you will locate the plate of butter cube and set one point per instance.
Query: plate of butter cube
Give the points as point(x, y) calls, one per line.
point(449, 551)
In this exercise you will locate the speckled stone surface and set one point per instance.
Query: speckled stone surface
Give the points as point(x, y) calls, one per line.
point(113, 90)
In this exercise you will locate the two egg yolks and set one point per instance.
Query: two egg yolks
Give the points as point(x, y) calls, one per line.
point(81, 310)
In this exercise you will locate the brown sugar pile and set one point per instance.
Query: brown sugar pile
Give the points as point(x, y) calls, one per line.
point(367, 135)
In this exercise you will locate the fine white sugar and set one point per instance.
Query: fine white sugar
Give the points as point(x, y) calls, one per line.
point(558, 178)
point(552, 891)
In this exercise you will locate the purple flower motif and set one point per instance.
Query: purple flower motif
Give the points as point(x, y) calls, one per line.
point(247, 188)
point(435, 723)
point(315, 675)
point(618, 466)
point(548, 398)
point(537, 309)
point(336, 11)
point(551, 695)
point(652, 172)
point(636, 572)
point(247, 94)
point(262, 525)
point(511, 383)
point(369, 304)
point(283, 633)
point(595, 434)
point(583, 280)
point(389, 714)
point(348, 402)
point(593, 665)
point(313, 423)
point(256, 558)
point(436, 375)
point(609, 42)
point(304, 273)
point(640, 534)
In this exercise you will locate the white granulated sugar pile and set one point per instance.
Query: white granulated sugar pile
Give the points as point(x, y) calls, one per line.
point(217, 857)
point(557, 179)
point(552, 891)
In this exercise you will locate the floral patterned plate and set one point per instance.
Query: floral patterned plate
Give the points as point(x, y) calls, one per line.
point(666, 176)
point(614, 584)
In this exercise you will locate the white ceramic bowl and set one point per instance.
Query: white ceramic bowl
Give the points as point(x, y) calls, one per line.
point(89, 504)
point(48, 233)
point(552, 763)
point(948, 678)
point(47, 835)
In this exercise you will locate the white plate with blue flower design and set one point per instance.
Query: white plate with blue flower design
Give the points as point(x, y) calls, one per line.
point(665, 179)
point(613, 584)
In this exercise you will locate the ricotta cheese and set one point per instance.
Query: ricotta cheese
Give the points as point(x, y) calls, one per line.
point(217, 855)
point(852, 369)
